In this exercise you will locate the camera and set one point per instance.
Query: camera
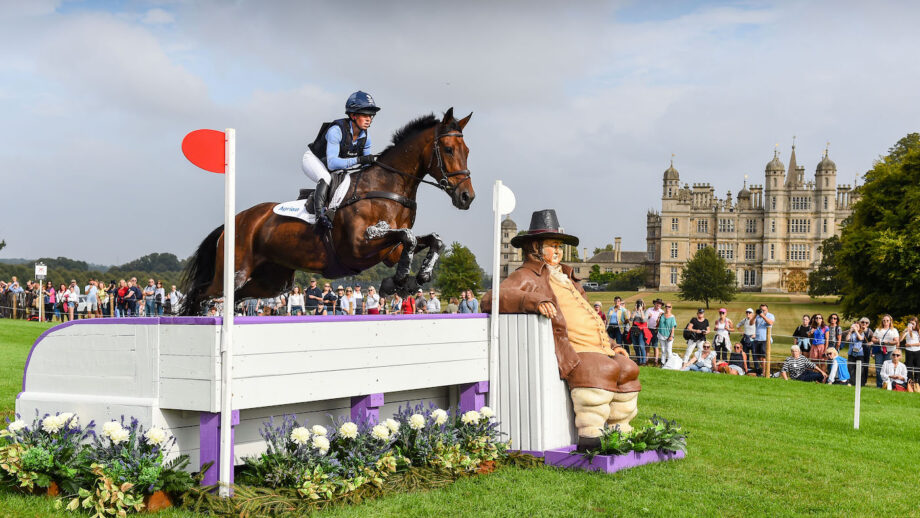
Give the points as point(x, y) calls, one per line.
point(757, 312)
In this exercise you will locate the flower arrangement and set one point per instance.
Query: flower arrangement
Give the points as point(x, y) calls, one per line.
point(659, 435)
point(50, 450)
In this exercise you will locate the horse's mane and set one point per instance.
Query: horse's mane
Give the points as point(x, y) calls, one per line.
point(414, 126)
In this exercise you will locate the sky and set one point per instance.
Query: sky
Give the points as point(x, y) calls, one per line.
point(577, 106)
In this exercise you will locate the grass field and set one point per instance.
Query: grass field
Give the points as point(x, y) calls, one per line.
point(757, 447)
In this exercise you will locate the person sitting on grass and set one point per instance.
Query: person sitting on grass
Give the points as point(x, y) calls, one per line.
point(737, 362)
point(837, 372)
point(800, 368)
point(894, 373)
point(702, 361)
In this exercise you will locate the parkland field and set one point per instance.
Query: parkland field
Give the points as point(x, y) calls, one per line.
point(757, 447)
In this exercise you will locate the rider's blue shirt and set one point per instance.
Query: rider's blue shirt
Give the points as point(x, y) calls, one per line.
point(333, 141)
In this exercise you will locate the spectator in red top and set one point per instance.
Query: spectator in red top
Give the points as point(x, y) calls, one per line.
point(600, 312)
point(408, 305)
point(122, 301)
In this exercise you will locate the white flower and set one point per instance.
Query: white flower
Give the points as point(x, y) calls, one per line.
point(319, 430)
point(74, 422)
point(65, 416)
point(416, 421)
point(52, 423)
point(110, 427)
point(321, 443)
point(380, 432)
point(392, 425)
point(439, 416)
point(349, 430)
point(155, 436)
point(471, 417)
point(300, 435)
point(16, 425)
point(487, 412)
point(119, 436)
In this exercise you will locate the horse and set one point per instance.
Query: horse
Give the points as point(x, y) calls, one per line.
point(373, 223)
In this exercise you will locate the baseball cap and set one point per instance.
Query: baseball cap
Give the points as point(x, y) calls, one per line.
point(749, 310)
point(420, 290)
point(700, 310)
point(598, 303)
point(864, 319)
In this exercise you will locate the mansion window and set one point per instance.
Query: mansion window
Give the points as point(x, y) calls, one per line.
point(772, 250)
point(825, 201)
point(750, 252)
point(726, 225)
point(726, 251)
point(675, 224)
point(673, 275)
point(798, 226)
point(773, 201)
point(801, 203)
point(651, 252)
point(825, 225)
point(798, 252)
point(673, 250)
point(700, 246)
point(750, 226)
point(750, 277)
point(772, 225)
point(702, 225)
point(608, 270)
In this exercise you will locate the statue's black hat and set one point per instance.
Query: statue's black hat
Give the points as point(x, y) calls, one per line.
point(543, 225)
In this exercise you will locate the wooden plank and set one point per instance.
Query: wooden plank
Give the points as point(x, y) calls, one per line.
point(275, 390)
point(277, 338)
point(188, 367)
point(189, 340)
point(256, 365)
point(185, 394)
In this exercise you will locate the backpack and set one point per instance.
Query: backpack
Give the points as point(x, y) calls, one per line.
point(688, 334)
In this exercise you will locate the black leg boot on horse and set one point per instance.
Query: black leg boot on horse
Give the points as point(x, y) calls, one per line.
point(319, 205)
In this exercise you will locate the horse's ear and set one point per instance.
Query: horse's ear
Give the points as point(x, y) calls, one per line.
point(448, 115)
point(462, 122)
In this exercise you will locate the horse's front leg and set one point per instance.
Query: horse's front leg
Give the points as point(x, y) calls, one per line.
point(434, 245)
point(403, 236)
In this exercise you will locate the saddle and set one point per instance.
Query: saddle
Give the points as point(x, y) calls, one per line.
point(307, 194)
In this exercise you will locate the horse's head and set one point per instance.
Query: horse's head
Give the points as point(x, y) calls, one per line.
point(448, 160)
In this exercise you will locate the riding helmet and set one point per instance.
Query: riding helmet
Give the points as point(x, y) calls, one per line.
point(361, 102)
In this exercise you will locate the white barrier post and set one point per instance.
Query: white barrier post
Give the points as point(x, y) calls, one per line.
point(502, 203)
point(858, 387)
point(226, 334)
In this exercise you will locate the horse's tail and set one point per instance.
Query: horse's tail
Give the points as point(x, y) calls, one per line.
point(199, 272)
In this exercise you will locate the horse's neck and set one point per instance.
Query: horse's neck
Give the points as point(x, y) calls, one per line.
point(409, 161)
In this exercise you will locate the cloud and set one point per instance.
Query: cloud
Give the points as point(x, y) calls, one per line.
point(157, 16)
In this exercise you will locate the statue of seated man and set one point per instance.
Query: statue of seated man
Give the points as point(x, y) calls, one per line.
point(603, 381)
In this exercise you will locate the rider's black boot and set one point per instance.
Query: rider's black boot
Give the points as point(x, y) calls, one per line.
point(319, 200)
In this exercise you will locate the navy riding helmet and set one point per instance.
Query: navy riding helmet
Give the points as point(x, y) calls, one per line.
point(361, 102)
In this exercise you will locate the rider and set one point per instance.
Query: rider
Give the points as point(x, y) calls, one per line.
point(343, 144)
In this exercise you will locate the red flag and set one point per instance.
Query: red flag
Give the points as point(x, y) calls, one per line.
point(206, 149)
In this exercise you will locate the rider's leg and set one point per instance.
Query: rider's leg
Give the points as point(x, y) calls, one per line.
point(319, 202)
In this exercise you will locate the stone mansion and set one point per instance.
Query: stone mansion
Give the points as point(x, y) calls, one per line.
point(769, 234)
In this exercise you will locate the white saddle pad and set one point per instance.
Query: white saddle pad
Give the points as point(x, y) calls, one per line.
point(297, 209)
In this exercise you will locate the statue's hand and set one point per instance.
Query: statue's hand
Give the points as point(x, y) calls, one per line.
point(547, 309)
point(620, 350)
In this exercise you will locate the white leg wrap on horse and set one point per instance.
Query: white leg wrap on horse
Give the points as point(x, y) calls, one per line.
point(592, 408)
point(623, 409)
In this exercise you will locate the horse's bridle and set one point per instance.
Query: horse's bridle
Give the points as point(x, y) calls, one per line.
point(442, 182)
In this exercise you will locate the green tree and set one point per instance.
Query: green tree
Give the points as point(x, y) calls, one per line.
point(879, 257)
point(459, 271)
point(2, 244)
point(825, 280)
point(706, 277)
point(608, 248)
point(630, 280)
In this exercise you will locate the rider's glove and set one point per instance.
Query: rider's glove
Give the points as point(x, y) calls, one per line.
point(367, 159)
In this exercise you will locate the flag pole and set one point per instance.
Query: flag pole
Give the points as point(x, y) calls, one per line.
point(226, 334)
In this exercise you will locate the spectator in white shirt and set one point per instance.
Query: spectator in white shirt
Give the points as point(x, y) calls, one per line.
point(894, 373)
point(702, 361)
point(295, 302)
point(348, 302)
point(433, 305)
point(175, 296)
point(372, 301)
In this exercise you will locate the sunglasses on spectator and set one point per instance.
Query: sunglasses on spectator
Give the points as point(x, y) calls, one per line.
point(668, 307)
point(895, 355)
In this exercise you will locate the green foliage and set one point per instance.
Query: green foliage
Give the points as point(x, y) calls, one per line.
point(659, 435)
point(459, 271)
point(106, 498)
point(50, 449)
point(37, 459)
point(608, 248)
point(879, 257)
point(706, 277)
point(2, 244)
point(629, 280)
point(825, 279)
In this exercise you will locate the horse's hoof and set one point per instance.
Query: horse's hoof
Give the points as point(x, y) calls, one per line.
point(387, 287)
point(423, 277)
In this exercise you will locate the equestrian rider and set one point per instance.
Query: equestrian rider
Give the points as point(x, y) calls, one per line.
point(341, 145)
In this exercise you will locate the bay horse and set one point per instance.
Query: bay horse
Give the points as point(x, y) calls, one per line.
point(373, 223)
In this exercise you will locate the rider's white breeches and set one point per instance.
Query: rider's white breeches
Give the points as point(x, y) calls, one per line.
point(314, 168)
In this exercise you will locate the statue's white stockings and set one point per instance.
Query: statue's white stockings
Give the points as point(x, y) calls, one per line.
point(594, 407)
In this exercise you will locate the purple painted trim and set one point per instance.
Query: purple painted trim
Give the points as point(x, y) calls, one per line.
point(366, 408)
point(562, 457)
point(190, 321)
point(354, 318)
point(535, 453)
point(473, 395)
point(209, 443)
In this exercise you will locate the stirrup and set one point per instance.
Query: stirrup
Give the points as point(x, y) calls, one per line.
point(322, 220)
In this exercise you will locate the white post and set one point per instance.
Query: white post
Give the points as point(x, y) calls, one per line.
point(858, 387)
point(496, 277)
point(226, 332)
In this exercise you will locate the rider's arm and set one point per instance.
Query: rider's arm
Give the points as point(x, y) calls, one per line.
point(333, 140)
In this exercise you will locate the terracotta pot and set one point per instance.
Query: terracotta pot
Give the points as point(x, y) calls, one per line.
point(52, 490)
point(157, 502)
point(486, 467)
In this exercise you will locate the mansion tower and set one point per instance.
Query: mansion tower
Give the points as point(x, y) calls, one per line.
point(769, 235)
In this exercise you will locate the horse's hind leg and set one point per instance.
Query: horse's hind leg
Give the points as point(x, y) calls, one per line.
point(434, 244)
point(403, 236)
point(267, 280)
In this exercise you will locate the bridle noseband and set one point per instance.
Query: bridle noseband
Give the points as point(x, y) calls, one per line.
point(443, 184)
